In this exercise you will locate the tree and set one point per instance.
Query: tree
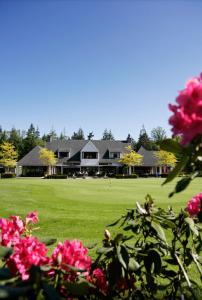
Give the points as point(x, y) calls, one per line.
point(16, 139)
point(131, 159)
point(90, 135)
point(48, 158)
point(166, 158)
point(79, 135)
point(107, 135)
point(158, 134)
point(31, 140)
point(145, 141)
point(3, 135)
point(8, 155)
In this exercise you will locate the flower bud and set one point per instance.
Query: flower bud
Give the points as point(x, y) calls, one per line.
point(107, 234)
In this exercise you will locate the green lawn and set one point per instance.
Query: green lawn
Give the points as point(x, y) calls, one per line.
point(81, 208)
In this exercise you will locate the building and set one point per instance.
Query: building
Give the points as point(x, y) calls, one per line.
point(76, 156)
point(88, 157)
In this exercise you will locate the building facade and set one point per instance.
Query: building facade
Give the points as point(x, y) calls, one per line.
point(90, 157)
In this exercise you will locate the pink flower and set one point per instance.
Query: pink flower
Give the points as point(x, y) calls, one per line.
point(99, 279)
point(194, 205)
point(32, 217)
point(187, 114)
point(71, 253)
point(11, 230)
point(27, 252)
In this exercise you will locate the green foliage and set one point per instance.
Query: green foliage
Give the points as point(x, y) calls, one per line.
point(79, 135)
point(8, 155)
point(7, 175)
point(158, 135)
point(107, 135)
point(159, 248)
point(190, 159)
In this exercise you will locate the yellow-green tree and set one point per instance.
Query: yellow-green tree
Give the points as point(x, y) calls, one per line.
point(131, 159)
point(8, 155)
point(48, 158)
point(165, 158)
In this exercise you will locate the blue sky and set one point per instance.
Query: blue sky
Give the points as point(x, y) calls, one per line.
point(96, 64)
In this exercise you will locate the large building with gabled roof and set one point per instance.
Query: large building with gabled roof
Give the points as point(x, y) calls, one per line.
point(87, 156)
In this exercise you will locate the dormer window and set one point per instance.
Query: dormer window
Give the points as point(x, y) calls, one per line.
point(89, 155)
point(63, 154)
point(114, 155)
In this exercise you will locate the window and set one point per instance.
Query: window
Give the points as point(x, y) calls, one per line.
point(114, 155)
point(63, 154)
point(89, 155)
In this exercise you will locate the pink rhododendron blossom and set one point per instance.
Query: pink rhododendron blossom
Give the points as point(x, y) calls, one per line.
point(99, 279)
point(194, 205)
point(11, 229)
point(71, 253)
point(32, 217)
point(187, 114)
point(27, 252)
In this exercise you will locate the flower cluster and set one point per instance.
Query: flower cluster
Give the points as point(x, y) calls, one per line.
point(11, 229)
point(71, 253)
point(27, 252)
point(187, 114)
point(194, 205)
point(99, 280)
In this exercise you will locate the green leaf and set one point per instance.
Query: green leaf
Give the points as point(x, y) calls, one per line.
point(192, 225)
point(178, 168)
point(48, 241)
point(50, 293)
point(182, 184)
point(5, 252)
point(118, 238)
point(115, 223)
point(171, 146)
point(159, 230)
point(152, 262)
point(123, 257)
point(7, 292)
point(133, 265)
point(80, 288)
point(5, 274)
point(104, 250)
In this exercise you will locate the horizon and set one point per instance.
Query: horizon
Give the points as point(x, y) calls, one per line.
point(95, 65)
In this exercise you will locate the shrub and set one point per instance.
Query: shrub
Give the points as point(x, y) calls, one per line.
point(121, 176)
point(56, 176)
point(8, 175)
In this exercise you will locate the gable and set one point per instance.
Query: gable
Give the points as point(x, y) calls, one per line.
point(89, 147)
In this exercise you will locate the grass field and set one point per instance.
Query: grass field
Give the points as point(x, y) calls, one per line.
point(81, 209)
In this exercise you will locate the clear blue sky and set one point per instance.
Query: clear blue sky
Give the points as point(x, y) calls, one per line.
point(96, 64)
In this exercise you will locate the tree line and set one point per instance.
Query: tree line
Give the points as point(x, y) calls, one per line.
point(24, 141)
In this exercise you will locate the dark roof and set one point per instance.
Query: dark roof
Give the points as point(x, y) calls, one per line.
point(149, 158)
point(31, 158)
point(74, 147)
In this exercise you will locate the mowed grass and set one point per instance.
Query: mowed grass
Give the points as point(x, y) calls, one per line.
point(81, 209)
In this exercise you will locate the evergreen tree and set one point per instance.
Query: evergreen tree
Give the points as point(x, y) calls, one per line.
point(107, 135)
point(145, 141)
point(3, 136)
point(16, 139)
point(158, 134)
point(31, 140)
point(79, 135)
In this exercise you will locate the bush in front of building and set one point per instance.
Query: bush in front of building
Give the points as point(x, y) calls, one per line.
point(7, 175)
point(122, 176)
point(55, 176)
